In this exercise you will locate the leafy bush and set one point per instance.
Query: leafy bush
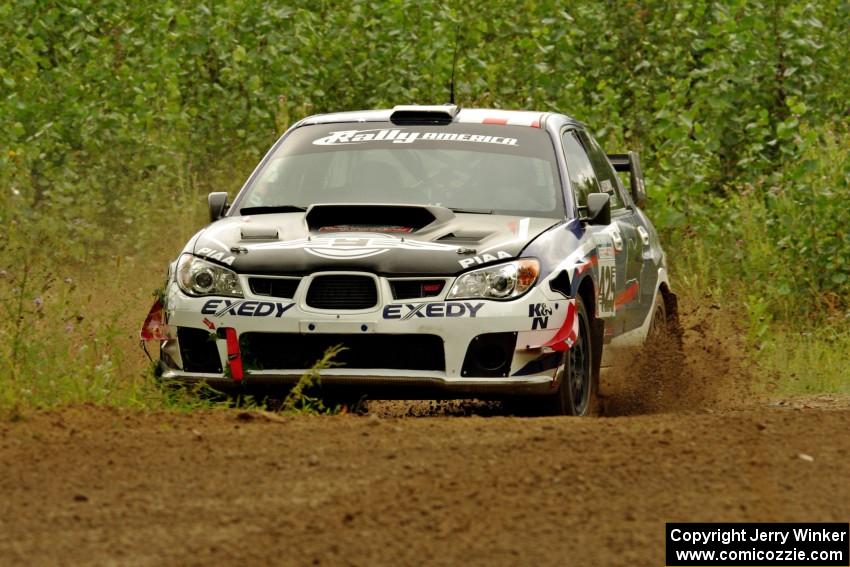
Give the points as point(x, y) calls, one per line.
point(780, 241)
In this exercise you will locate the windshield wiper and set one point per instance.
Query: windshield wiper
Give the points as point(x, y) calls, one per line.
point(268, 209)
point(472, 211)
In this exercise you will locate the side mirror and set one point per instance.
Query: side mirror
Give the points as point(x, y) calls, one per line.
point(636, 178)
point(599, 208)
point(218, 205)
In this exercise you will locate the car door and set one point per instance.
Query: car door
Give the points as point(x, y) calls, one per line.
point(635, 238)
point(608, 239)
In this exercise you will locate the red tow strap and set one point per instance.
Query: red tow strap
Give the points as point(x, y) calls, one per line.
point(234, 356)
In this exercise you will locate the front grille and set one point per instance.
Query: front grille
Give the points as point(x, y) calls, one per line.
point(273, 351)
point(274, 287)
point(342, 292)
point(414, 289)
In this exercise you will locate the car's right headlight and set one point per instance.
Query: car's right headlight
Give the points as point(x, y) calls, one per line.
point(501, 281)
point(199, 277)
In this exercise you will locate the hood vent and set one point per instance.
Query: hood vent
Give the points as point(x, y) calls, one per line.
point(259, 233)
point(464, 237)
point(372, 218)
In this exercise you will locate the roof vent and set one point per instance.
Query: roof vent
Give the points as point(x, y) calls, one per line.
point(414, 114)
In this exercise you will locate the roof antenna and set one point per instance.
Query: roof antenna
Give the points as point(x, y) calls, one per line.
point(454, 63)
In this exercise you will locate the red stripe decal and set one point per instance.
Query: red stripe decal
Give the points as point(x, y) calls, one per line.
point(501, 121)
point(566, 335)
point(234, 356)
point(586, 266)
point(629, 294)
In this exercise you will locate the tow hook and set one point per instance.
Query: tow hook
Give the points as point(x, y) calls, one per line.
point(234, 356)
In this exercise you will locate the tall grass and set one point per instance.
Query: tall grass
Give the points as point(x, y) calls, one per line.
point(69, 325)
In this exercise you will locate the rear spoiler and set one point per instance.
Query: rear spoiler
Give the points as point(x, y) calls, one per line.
point(630, 163)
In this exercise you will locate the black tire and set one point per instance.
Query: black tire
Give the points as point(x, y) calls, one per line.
point(658, 327)
point(578, 389)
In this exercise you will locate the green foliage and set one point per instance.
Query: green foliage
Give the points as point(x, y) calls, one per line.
point(117, 116)
point(109, 108)
point(302, 399)
point(780, 244)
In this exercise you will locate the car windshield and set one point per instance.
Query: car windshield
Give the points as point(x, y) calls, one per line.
point(475, 167)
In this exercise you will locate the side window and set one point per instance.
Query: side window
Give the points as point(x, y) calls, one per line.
point(579, 169)
point(609, 182)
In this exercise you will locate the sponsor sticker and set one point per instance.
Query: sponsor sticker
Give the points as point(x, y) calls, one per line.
point(348, 137)
point(539, 314)
point(484, 258)
point(212, 254)
point(431, 310)
point(607, 275)
point(354, 248)
point(244, 308)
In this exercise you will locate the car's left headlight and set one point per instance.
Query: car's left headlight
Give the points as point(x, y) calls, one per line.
point(502, 281)
point(199, 277)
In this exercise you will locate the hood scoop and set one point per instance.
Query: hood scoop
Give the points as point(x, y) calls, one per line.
point(259, 233)
point(374, 218)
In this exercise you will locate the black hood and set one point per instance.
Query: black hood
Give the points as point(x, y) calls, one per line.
point(383, 239)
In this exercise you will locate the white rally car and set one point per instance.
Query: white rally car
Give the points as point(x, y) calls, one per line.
point(452, 252)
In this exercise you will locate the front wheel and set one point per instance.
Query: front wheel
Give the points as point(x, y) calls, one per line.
point(577, 392)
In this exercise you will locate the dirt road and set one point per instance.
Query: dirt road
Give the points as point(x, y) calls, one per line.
point(100, 487)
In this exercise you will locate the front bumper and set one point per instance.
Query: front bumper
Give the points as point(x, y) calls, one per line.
point(471, 336)
point(378, 384)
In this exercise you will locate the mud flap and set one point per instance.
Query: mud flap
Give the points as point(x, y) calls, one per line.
point(597, 332)
point(674, 325)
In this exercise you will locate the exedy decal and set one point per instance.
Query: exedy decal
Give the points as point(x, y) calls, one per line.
point(343, 137)
point(431, 310)
point(244, 308)
point(353, 247)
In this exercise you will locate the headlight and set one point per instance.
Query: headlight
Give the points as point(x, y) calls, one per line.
point(504, 281)
point(199, 277)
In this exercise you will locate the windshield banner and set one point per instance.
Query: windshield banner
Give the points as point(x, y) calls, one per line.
point(401, 137)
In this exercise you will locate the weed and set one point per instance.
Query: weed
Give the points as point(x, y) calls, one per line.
point(301, 398)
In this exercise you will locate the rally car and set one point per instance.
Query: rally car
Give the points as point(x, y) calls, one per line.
point(451, 252)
